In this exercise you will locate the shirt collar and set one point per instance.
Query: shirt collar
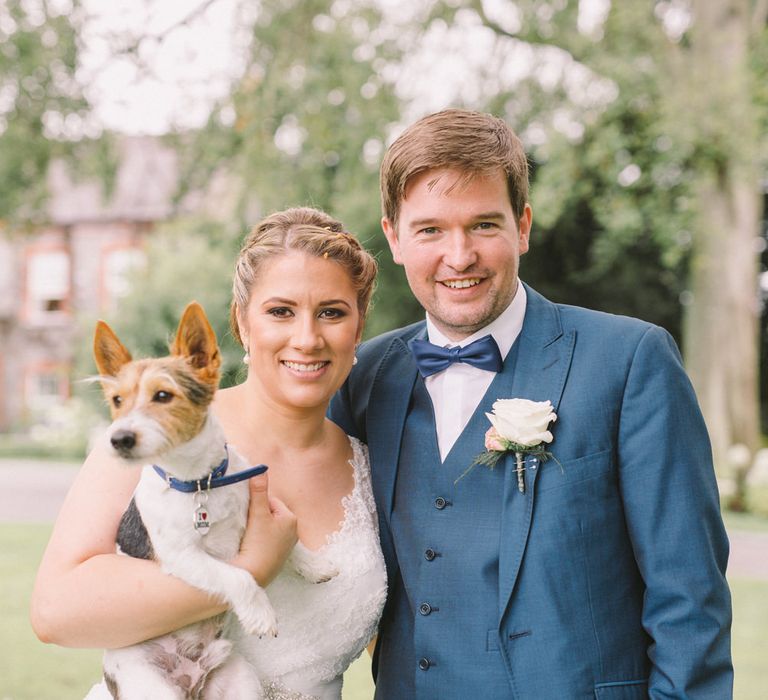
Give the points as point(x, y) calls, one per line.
point(504, 329)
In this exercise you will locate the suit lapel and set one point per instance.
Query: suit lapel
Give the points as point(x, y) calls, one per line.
point(542, 363)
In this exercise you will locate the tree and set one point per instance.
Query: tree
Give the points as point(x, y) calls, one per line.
point(611, 200)
point(43, 113)
point(721, 324)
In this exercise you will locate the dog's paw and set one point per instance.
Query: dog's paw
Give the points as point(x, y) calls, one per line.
point(257, 616)
point(311, 566)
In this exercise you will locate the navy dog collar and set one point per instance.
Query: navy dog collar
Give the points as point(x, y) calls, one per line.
point(218, 477)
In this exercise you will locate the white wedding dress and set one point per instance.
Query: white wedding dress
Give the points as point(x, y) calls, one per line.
point(323, 627)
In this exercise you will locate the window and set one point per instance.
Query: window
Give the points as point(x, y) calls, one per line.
point(47, 283)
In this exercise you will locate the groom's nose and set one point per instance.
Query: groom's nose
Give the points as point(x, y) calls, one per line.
point(459, 253)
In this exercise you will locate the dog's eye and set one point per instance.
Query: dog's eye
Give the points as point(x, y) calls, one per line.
point(162, 397)
point(117, 401)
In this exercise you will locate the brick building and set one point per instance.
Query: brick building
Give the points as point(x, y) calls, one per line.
point(79, 261)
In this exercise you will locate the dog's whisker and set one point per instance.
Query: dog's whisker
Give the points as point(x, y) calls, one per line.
point(97, 378)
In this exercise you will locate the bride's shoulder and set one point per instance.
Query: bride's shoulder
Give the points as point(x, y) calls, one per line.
point(223, 398)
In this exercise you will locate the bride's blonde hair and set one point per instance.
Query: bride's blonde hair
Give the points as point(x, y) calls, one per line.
point(310, 231)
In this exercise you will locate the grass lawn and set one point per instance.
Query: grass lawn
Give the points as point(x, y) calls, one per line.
point(30, 670)
point(749, 522)
point(750, 638)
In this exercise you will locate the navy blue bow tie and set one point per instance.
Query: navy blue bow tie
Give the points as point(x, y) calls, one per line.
point(482, 353)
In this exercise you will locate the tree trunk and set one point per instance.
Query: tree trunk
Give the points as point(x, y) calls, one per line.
point(721, 332)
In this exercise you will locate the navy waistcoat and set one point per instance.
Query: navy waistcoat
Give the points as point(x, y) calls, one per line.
point(436, 522)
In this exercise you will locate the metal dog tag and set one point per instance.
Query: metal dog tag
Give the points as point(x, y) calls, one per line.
point(201, 518)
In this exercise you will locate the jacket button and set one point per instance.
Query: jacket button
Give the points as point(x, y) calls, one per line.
point(430, 554)
point(440, 503)
point(424, 664)
point(425, 608)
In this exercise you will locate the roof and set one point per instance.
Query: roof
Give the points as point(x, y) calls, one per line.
point(144, 188)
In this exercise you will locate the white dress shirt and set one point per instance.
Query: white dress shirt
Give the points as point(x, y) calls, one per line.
point(457, 390)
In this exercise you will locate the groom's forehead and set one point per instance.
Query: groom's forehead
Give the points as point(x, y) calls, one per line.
point(434, 196)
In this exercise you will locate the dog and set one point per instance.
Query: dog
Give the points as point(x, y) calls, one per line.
point(180, 517)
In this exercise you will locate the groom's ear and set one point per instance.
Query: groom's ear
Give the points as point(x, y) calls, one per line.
point(524, 229)
point(394, 243)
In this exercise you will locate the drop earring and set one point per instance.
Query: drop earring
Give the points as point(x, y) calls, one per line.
point(354, 360)
point(247, 356)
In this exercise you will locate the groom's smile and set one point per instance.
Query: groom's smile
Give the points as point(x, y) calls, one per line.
point(461, 284)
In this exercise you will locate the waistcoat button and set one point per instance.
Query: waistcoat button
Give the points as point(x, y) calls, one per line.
point(430, 554)
point(424, 664)
point(440, 503)
point(425, 608)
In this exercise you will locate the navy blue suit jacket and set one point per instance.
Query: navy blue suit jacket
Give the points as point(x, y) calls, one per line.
point(611, 575)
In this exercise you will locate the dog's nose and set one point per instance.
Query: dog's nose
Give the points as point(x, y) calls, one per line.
point(123, 440)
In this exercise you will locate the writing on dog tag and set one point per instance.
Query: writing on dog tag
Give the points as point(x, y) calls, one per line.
point(201, 518)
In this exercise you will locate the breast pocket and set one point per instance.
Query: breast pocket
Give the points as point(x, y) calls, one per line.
point(622, 690)
point(571, 473)
point(578, 496)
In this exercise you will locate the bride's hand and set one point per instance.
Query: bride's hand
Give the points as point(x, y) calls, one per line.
point(270, 534)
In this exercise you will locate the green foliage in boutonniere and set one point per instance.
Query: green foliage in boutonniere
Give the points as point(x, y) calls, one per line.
point(519, 427)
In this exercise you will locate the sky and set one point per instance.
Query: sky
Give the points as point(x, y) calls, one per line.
point(176, 78)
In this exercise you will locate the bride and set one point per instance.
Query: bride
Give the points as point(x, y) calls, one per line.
point(300, 294)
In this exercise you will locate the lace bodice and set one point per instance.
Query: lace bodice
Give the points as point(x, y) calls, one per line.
point(323, 627)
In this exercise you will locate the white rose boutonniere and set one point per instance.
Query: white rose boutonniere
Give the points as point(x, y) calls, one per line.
point(518, 426)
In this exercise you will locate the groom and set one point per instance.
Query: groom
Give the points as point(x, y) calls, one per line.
point(597, 574)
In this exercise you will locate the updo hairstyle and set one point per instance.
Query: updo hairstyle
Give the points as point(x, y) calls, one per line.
point(310, 231)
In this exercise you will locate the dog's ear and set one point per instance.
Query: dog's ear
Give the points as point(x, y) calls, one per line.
point(110, 354)
point(196, 341)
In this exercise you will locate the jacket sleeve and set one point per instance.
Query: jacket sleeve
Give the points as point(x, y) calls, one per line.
point(341, 412)
point(671, 503)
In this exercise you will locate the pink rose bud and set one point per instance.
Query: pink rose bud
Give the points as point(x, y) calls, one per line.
point(493, 441)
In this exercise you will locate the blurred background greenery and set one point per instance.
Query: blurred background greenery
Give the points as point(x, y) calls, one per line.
point(646, 125)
